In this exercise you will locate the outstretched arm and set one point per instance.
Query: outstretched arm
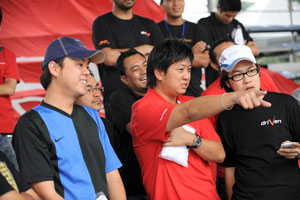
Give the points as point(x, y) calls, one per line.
point(206, 106)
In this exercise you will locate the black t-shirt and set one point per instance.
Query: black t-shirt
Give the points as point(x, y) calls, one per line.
point(191, 34)
point(10, 178)
point(251, 139)
point(216, 30)
point(110, 31)
point(121, 102)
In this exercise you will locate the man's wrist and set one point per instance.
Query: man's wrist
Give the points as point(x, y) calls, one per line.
point(197, 141)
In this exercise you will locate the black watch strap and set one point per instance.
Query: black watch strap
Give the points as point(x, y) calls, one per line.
point(197, 142)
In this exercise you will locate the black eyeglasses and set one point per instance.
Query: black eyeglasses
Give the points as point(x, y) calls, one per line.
point(241, 76)
point(97, 89)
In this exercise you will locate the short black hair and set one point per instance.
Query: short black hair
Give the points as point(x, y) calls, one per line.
point(0, 16)
point(125, 54)
point(46, 76)
point(165, 54)
point(212, 55)
point(230, 5)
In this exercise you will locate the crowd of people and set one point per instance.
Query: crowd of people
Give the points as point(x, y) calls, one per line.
point(163, 135)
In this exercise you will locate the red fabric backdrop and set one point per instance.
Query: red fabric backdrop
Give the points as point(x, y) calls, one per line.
point(29, 26)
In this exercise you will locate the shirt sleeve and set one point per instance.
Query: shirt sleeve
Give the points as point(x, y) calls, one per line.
point(102, 34)
point(149, 121)
point(245, 33)
point(112, 161)
point(29, 140)
point(11, 70)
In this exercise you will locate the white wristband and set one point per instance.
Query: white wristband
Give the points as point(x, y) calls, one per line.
point(223, 104)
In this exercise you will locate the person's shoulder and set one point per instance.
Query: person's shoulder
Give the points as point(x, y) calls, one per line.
point(191, 24)
point(6, 51)
point(104, 17)
point(143, 19)
point(29, 116)
point(161, 23)
point(206, 20)
point(280, 98)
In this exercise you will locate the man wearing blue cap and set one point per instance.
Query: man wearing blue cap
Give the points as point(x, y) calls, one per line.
point(63, 149)
point(261, 162)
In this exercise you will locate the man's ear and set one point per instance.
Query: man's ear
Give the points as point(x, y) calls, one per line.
point(159, 74)
point(214, 66)
point(53, 68)
point(124, 79)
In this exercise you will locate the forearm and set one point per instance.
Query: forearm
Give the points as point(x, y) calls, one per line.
point(211, 150)
point(229, 180)
point(112, 55)
point(46, 190)
point(115, 186)
point(144, 49)
point(8, 87)
point(198, 108)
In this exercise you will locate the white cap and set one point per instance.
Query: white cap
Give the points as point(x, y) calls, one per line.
point(234, 54)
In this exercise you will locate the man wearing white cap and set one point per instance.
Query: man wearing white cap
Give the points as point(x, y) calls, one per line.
point(260, 161)
point(63, 149)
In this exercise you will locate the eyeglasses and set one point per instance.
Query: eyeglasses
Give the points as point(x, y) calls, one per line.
point(241, 76)
point(92, 90)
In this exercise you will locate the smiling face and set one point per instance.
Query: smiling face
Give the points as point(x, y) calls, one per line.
point(173, 8)
point(135, 73)
point(93, 97)
point(176, 80)
point(247, 83)
point(72, 77)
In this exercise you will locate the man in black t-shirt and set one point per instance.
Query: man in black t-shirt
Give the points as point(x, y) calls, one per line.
point(257, 166)
point(174, 26)
point(132, 68)
point(117, 31)
point(223, 24)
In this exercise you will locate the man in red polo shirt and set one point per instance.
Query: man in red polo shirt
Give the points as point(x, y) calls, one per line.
point(8, 80)
point(157, 121)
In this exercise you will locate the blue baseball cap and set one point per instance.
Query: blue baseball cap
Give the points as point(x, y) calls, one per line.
point(73, 48)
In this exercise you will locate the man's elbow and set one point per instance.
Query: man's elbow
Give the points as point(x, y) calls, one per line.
point(220, 157)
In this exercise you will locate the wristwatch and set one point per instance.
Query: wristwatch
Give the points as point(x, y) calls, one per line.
point(197, 142)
